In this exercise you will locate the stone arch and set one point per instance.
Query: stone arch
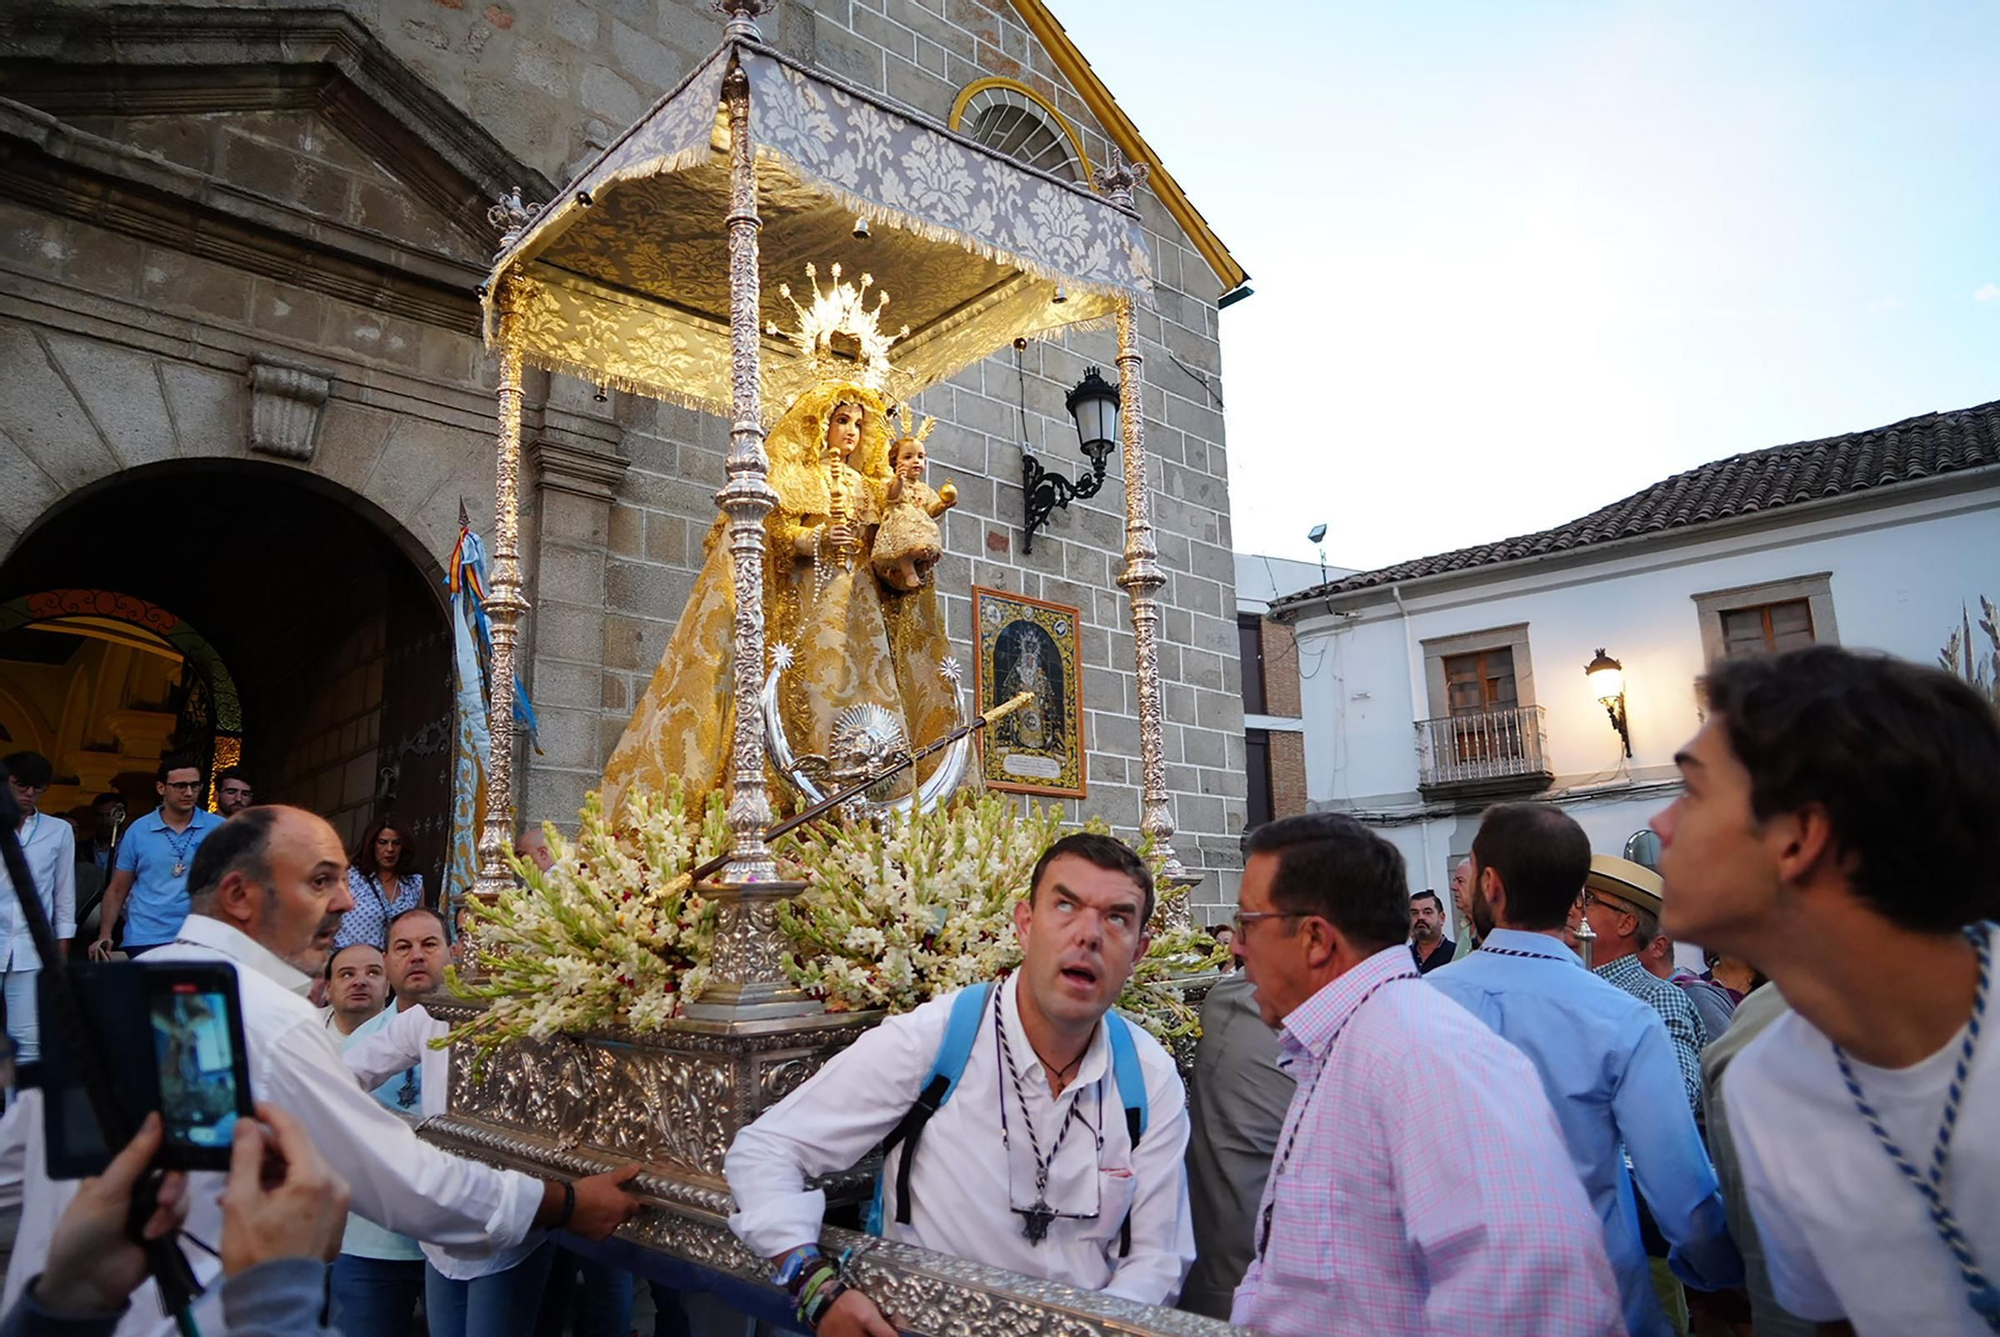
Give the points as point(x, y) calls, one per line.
point(321, 626)
point(46, 606)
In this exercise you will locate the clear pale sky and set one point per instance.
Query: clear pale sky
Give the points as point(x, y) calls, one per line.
point(1514, 261)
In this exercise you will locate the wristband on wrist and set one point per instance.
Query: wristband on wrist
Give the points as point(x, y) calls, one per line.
point(813, 1310)
point(568, 1207)
point(793, 1261)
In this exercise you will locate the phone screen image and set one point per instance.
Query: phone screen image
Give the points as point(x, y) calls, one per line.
point(192, 1044)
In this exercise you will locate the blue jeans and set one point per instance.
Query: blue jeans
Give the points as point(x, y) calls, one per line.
point(501, 1305)
point(377, 1296)
point(599, 1296)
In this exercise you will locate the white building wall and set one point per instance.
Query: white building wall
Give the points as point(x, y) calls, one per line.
point(1901, 565)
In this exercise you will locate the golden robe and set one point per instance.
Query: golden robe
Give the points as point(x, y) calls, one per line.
point(853, 641)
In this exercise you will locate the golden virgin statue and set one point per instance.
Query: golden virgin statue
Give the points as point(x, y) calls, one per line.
point(853, 641)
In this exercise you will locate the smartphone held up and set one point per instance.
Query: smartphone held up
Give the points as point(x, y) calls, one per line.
point(171, 1036)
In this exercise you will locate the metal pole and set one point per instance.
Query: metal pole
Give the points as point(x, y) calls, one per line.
point(747, 498)
point(1142, 576)
point(505, 602)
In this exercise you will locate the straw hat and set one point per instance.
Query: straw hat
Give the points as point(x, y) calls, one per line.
point(1633, 883)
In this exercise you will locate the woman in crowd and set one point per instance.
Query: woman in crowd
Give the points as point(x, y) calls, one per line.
point(383, 881)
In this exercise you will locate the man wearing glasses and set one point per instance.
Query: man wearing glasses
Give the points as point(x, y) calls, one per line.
point(1603, 1057)
point(1622, 901)
point(1432, 1197)
point(150, 883)
point(232, 792)
point(1031, 1162)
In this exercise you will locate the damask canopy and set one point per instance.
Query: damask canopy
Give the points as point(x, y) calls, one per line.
point(624, 278)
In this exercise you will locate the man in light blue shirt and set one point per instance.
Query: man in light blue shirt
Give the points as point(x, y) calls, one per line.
point(1603, 1057)
point(153, 863)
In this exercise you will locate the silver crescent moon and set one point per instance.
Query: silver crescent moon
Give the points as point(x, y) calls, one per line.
point(924, 798)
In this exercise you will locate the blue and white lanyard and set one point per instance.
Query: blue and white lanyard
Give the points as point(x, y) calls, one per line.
point(1981, 1293)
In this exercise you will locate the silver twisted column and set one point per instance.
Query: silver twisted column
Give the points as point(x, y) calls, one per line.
point(1142, 576)
point(505, 602)
point(746, 971)
point(747, 498)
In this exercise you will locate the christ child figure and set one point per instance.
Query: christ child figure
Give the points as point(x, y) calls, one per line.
point(908, 544)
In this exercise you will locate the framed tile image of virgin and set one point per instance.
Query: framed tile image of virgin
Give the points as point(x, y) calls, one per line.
point(1029, 645)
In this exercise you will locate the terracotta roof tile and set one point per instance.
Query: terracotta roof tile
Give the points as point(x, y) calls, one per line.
point(1760, 480)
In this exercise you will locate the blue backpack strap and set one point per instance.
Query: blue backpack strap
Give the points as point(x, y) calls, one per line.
point(1131, 1079)
point(1130, 1076)
point(953, 1050)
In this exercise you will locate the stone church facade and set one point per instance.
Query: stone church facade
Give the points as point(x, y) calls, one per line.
point(243, 396)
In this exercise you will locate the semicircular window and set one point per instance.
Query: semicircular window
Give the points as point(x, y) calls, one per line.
point(1022, 126)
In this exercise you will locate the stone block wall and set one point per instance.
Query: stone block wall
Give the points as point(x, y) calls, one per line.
point(618, 495)
point(638, 548)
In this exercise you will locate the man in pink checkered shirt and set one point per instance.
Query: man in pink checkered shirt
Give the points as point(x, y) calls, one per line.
point(1433, 1196)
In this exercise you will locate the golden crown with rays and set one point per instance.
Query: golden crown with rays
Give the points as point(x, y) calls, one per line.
point(841, 309)
point(903, 423)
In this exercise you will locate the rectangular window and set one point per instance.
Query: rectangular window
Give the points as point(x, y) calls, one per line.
point(1250, 648)
point(1481, 681)
point(1769, 617)
point(1257, 761)
point(1767, 628)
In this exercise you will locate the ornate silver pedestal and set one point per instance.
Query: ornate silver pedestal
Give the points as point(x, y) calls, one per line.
point(575, 1105)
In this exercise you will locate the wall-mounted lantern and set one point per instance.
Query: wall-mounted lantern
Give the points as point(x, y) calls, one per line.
point(1607, 684)
point(1094, 405)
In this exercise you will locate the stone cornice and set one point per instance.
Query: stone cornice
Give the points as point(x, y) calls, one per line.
point(95, 180)
point(197, 54)
point(565, 462)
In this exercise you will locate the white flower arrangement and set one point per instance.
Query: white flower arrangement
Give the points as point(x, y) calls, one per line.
point(896, 914)
point(612, 935)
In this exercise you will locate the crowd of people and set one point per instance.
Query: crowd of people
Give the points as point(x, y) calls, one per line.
point(1545, 1125)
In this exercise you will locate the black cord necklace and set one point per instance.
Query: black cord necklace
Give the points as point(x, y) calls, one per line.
point(1035, 1220)
point(1060, 1074)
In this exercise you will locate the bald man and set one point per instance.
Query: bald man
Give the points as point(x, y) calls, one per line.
point(267, 890)
point(357, 981)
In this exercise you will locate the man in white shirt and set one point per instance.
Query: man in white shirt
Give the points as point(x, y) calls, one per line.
point(50, 844)
point(1836, 832)
point(1004, 1173)
point(378, 1279)
point(271, 887)
point(357, 985)
point(494, 1296)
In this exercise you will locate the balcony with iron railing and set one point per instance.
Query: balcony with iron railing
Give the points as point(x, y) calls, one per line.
point(1488, 752)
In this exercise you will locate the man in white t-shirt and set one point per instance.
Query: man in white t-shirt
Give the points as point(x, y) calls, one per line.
point(1836, 832)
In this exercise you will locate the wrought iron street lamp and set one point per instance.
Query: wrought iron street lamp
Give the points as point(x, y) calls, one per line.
point(1094, 405)
point(1607, 683)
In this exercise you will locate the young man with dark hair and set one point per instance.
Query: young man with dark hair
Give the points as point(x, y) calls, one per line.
point(1603, 1057)
point(153, 863)
point(270, 887)
point(1428, 945)
point(1366, 1225)
point(1005, 1175)
point(1836, 831)
point(232, 792)
point(49, 843)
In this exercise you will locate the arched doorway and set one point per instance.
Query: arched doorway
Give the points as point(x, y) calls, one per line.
point(316, 610)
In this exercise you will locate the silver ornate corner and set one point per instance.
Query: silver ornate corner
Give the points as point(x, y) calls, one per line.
point(285, 403)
